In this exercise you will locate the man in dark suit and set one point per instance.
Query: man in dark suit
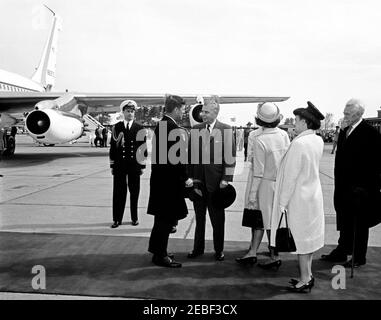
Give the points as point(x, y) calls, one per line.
point(357, 185)
point(127, 155)
point(168, 180)
point(212, 161)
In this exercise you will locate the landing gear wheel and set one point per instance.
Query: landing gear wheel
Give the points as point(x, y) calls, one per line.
point(11, 147)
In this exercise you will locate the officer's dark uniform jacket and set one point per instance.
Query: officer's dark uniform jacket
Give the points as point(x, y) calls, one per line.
point(126, 151)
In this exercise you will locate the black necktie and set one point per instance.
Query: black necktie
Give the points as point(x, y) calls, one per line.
point(208, 127)
point(348, 131)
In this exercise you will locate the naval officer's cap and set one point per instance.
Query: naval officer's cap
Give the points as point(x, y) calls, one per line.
point(131, 104)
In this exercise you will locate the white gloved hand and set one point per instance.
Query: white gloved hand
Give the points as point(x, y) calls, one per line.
point(252, 205)
point(189, 183)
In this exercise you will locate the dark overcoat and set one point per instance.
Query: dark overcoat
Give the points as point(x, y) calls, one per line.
point(167, 183)
point(358, 177)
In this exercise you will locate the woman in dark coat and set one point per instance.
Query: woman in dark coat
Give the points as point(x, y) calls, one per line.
point(168, 179)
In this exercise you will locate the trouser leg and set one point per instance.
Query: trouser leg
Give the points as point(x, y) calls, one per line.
point(158, 241)
point(134, 188)
point(119, 196)
point(361, 243)
point(344, 246)
point(217, 218)
point(199, 234)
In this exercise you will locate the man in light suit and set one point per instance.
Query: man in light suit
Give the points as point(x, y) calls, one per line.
point(212, 161)
point(357, 185)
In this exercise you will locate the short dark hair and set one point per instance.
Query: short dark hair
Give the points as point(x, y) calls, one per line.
point(172, 102)
point(266, 124)
point(313, 125)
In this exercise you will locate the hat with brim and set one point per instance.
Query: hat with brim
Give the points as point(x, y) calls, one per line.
point(131, 104)
point(224, 197)
point(268, 112)
point(311, 113)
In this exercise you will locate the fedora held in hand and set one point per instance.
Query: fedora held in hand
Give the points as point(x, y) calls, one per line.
point(224, 197)
point(252, 218)
point(284, 241)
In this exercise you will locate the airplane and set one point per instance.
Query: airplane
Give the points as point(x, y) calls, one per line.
point(58, 117)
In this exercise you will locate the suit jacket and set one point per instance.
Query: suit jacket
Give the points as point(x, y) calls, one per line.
point(358, 176)
point(127, 152)
point(166, 199)
point(221, 151)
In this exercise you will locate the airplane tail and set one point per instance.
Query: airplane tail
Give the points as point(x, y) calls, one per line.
point(45, 74)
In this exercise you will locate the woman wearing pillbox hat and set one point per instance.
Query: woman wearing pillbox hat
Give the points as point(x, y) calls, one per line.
point(298, 194)
point(267, 147)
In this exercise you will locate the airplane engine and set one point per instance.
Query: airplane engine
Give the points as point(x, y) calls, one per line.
point(50, 126)
point(195, 114)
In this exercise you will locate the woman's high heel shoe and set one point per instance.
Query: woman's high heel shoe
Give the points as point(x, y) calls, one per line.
point(302, 289)
point(295, 281)
point(247, 260)
point(267, 266)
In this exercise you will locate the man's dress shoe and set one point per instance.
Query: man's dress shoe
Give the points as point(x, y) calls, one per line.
point(135, 223)
point(116, 224)
point(275, 264)
point(247, 260)
point(166, 262)
point(219, 256)
point(356, 264)
point(332, 257)
point(194, 254)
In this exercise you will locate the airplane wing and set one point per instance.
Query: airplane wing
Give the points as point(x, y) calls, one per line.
point(54, 117)
point(20, 102)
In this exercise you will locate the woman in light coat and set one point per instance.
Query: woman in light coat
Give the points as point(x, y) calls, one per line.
point(298, 193)
point(267, 147)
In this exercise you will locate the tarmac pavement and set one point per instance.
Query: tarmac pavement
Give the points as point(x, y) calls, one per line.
point(67, 189)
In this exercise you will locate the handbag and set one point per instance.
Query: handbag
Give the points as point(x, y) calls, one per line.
point(284, 241)
point(252, 218)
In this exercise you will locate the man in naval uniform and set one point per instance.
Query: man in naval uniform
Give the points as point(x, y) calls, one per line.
point(127, 154)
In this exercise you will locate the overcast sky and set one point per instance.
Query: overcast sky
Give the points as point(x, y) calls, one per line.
point(323, 51)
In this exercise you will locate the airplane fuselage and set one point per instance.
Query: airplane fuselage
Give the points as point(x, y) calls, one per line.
point(12, 82)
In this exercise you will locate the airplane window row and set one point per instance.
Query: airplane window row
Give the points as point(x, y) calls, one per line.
point(7, 87)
